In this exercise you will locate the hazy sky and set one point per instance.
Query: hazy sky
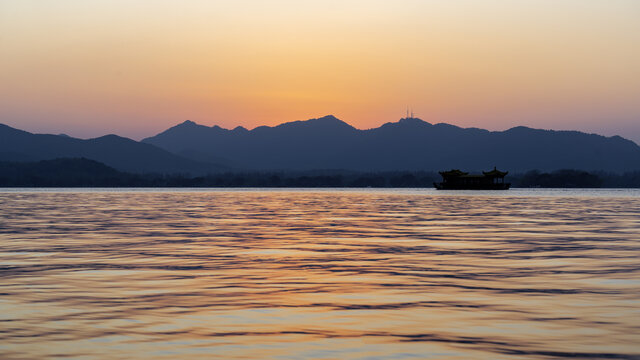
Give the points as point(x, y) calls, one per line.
point(134, 68)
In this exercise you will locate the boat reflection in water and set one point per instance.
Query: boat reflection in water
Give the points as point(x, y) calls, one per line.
point(459, 180)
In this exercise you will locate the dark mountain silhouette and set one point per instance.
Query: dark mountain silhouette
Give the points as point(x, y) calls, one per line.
point(115, 151)
point(61, 172)
point(409, 144)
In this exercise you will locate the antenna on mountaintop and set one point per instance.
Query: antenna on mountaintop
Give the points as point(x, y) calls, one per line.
point(407, 116)
point(412, 113)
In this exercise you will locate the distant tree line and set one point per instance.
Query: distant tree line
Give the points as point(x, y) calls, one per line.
point(577, 179)
point(88, 173)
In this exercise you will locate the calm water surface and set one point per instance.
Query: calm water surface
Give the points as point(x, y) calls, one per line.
point(242, 274)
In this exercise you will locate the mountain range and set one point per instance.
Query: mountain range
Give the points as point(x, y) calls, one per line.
point(118, 152)
point(329, 143)
point(409, 144)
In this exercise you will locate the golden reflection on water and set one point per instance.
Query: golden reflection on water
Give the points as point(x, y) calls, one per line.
point(346, 275)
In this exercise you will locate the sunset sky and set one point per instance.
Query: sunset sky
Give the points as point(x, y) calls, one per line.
point(134, 68)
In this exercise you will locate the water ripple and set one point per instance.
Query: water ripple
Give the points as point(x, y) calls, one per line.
point(318, 274)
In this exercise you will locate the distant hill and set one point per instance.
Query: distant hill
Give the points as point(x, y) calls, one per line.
point(409, 144)
point(120, 153)
point(59, 172)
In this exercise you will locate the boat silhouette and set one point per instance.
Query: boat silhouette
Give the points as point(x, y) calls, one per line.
point(456, 179)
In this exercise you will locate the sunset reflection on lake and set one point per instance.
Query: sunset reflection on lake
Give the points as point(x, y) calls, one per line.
point(319, 274)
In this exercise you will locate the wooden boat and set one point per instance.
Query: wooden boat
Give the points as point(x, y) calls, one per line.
point(459, 180)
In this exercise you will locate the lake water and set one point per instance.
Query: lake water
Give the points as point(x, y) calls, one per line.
point(319, 274)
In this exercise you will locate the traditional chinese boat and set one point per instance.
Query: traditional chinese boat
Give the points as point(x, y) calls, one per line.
point(459, 180)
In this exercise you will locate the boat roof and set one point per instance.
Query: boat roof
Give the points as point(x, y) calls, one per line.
point(457, 172)
point(453, 172)
point(495, 172)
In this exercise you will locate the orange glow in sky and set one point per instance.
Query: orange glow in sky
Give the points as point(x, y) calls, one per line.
point(137, 67)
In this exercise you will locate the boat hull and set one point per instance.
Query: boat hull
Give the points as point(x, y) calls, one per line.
point(443, 186)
